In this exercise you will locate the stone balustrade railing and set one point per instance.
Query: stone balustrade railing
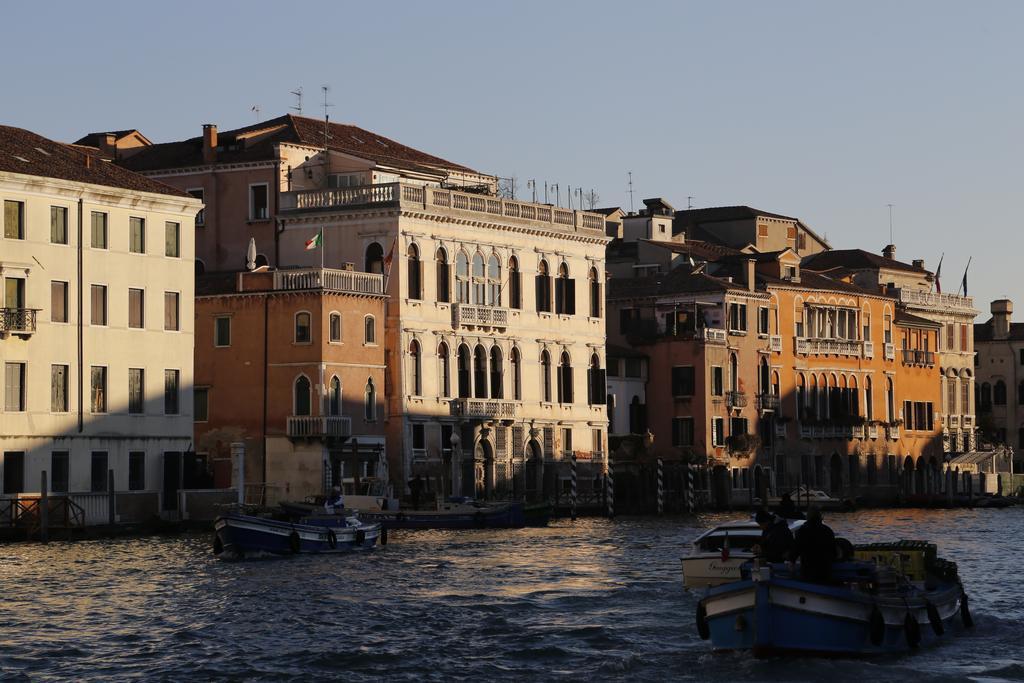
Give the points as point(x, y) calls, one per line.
point(329, 279)
point(482, 316)
point(938, 300)
point(485, 408)
point(315, 426)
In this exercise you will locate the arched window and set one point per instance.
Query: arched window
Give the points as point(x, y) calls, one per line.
point(374, 258)
point(369, 330)
point(335, 327)
point(413, 263)
point(497, 390)
point(443, 368)
point(545, 375)
point(734, 373)
point(415, 368)
point(812, 400)
point(200, 267)
point(595, 294)
point(493, 281)
point(479, 280)
point(479, 372)
point(370, 400)
point(303, 322)
point(334, 396)
point(565, 378)
point(637, 416)
point(890, 401)
point(443, 286)
point(565, 292)
point(595, 381)
point(869, 406)
point(462, 278)
point(985, 397)
point(517, 382)
point(801, 398)
point(465, 388)
point(515, 284)
point(543, 288)
point(999, 393)
point(303, 399)
point(763, 377)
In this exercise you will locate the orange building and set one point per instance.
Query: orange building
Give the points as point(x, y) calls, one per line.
point(776, 376)
point(291, 363)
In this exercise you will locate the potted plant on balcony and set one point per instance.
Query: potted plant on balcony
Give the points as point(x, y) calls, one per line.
point(743, 443)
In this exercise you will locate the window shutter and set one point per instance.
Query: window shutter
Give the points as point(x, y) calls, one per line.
point(599, 388)
point(570, 296)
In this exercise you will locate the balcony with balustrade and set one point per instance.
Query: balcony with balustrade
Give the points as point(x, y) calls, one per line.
point(329, 279)
point(472, 315)
point(735, 399)
point(766, 402)
point(427, 197)
point(775, 343)
point(918, 357)
point(318, 426)
point(485, 408)
point(829, 347)
point(18, 321)
point(935, 301)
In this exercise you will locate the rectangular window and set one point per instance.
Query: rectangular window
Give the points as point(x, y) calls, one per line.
point(567, 440)
point(737, 317)
point(171, 311)
point(682, 431)
point(908, 415)
point(136, 470)
point(258, 202)
point(613, 367)
point(950, 337)
point(99, 230)
point(335, 327)
point(137, 235)
point(201, 216)
point(171, 379)
point(58, 301)
point(98, 305)
point(98, 480)
point(136, 308)
point(717, 381)
point(172, 239)
point(419, 437)
point(98, 383)
point(14, 292)
point(762, 320)
point(58, 225)
point(682, 381)
point(634, 367)
point(201, 404)
point(59, 465)
point(14, 220)
point(58, 388)
point(136, 391)
point(14, 472)
point(222, 331)
point(717, 431)
point(14, 387)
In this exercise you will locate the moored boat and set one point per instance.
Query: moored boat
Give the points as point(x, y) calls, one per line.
point(900, 598)
point(719, 553)
point(238, 535)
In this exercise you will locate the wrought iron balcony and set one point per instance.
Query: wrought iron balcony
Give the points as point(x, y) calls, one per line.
point(918, 357)
point(485, 408)
point(735, 399)
point(472, 315)
point(18, 320)
point(318, 426)
point(767, 402)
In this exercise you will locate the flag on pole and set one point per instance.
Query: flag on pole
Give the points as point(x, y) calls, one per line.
point(390, 256)
point(938, 274)
point(963, 285)
point(315, 241)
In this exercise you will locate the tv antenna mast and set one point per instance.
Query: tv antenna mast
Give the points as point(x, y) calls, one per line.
point(890, 222)
point(631, 192)
point(256, 108)
point(532, 184)
point(298, 96)
point(327, 118)
point(689, 201)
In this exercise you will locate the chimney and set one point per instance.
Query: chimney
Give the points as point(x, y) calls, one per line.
point(750, 274)
point(918, 263)
point(108, 146)
point(209, 143)
point(1002, 311)
point(889, 252)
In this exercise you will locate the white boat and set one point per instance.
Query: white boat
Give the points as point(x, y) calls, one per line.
point(718, 553)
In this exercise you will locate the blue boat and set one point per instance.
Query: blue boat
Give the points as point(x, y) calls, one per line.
point(869, 607)
point(238, 535)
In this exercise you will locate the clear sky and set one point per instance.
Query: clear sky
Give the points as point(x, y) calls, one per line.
point(823, 110)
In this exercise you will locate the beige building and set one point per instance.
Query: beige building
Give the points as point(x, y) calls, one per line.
point(1000, 375)
point(96, 324)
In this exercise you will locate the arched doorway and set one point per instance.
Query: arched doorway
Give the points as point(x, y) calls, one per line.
point(762, 477)
point(534, 468)
point(374, 258)
point(908, 475)
point(835, 473)
point(919, 476)
point(483, 456)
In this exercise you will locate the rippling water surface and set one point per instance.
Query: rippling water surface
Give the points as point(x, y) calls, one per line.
point(586, 600)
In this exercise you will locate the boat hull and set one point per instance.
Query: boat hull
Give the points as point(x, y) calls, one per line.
point(709, 569)
point(784, 616)
point(242, 535)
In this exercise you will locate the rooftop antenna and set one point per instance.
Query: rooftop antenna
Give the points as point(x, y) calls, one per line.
point(890, 222)
point(689, 201)
point(256, 108)
point(298, 96)
point(326, 89)
point(546, 192)
point(532, 184)
point(631, 192)
point(568, 193)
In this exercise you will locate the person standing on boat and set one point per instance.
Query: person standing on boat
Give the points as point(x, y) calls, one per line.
point(776, 538)
point(335, 501)
point(787, 509)
point(815, 547)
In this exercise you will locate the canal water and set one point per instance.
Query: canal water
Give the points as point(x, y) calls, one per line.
point(590, 600)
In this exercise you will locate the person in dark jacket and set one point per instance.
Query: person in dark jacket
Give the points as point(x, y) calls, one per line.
point(815, 547)
point(787, 509)
point(776, 538)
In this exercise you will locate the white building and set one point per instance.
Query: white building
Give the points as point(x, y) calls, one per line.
point(96, 325)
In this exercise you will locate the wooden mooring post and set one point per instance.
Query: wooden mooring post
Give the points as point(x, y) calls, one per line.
point(111, 499)
point(44, 510)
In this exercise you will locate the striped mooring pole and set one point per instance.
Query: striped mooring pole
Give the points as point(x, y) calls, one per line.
point(610, 484)
point(690, 494)
point(661, 487)
point(572, 490)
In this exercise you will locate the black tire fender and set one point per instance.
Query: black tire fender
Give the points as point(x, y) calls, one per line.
point(912, 631)
point(294, 542)
point(934, 619)
point(218, 545)
point(360, 536)
point(332, 539)
point(702, 621)
point(965, 612)
point(383, 536)
point(876, 626)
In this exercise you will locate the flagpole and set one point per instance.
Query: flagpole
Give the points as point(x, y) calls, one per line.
point(323, 246)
